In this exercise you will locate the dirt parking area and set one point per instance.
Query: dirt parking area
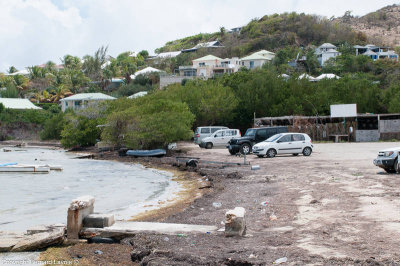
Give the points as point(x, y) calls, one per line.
point(331, 208)
point(334, 206)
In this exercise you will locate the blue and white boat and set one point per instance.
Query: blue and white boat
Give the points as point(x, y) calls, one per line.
point(147, 153)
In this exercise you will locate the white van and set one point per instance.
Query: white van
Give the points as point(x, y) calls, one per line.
point(202, 132)
point(220, 138)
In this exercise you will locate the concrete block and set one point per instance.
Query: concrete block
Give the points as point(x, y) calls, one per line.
point(235, 223)
point(77, 211)
point(97, 220)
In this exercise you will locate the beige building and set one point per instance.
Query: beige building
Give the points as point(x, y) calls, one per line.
point(257, 59)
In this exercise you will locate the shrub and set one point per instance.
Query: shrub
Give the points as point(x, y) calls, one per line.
point(79, 131)
point(53, 127)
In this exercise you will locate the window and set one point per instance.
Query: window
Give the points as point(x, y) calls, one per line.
point(215, 129)
point(298, 137)
point(262, 133)
point(286, 138)
point(205, 130)
point(230, 133)
point(251, 64)
point(219, 134)
point(202, 64)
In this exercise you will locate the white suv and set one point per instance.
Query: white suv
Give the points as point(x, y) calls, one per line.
point(284, 143)
point(219, 138)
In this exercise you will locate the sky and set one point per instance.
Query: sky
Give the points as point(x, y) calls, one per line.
point(33, 32)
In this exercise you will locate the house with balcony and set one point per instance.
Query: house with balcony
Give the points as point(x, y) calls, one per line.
point(83, 100)
point(376, 52)
point(325, 52)
point(210, 65)
point(257, 59)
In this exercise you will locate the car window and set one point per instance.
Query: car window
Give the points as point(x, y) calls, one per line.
point(220, 134)
point(262, 133)
point(273, 138)
point(213, 129)
point(272, 131)
point(298, 137)
point(205, 130)
point(286, 138)
point(250, 132)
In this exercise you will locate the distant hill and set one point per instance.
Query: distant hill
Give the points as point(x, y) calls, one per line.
point(273, 32)
point(381, 26)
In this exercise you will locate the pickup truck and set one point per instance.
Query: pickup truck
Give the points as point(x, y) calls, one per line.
point(388, 160)
point(251, 137)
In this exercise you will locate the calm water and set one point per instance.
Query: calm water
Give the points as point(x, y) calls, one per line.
point(31, 199)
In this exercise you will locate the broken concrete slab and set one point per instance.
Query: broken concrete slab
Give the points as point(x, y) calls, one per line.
point(123, 229)
point(53, 236)
point(8, 240)
point(235, 223)
point(97, 220)
point(77, 211)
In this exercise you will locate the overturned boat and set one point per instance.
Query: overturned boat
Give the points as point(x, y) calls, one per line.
point(147, 153)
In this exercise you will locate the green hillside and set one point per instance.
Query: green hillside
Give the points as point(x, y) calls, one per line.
point(273, 32)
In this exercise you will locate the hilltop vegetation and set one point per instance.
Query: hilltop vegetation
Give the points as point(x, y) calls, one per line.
point(382, 26)
point(272, 33)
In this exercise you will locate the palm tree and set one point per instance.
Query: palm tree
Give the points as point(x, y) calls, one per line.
point(92, 64)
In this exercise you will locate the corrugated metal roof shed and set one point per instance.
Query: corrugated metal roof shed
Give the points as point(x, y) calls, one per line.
point(88, 96)
point(16, 103)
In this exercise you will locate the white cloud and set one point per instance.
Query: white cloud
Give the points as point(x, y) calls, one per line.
point(35, 31)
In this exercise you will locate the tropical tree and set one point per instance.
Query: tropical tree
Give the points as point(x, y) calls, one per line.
point(92, 65)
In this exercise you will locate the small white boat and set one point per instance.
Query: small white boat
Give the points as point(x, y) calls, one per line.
point(18, 168)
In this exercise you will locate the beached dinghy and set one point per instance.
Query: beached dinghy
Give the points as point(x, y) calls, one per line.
point(19, 168)
point(146, 153)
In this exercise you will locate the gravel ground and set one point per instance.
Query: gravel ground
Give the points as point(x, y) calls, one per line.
point(334, 207)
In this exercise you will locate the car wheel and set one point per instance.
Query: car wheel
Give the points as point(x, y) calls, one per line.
point(271, 153)
point(307, 151)
point(209, 145)
point(232, 152)
point(245, 148)
point(295, 154)
point(396, 166)
point(389, 170)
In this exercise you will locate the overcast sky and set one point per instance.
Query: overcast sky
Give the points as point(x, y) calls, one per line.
point(33, 32)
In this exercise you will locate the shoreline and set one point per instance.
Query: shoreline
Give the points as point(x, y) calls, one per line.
point(189, 181)
point(317, 209)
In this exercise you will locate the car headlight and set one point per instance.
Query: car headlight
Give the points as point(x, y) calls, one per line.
point(388, 153)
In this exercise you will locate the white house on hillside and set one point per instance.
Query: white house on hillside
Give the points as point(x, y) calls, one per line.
point(325, 52)
point(257, 59)
point(376, 52)
point(83, 100)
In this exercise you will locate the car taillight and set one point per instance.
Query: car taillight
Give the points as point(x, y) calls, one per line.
point(197, 135)
point(240, 133)
point(311, 140)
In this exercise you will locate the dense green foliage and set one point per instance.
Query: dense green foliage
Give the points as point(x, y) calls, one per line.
point(147, 122)
point(79, 132)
